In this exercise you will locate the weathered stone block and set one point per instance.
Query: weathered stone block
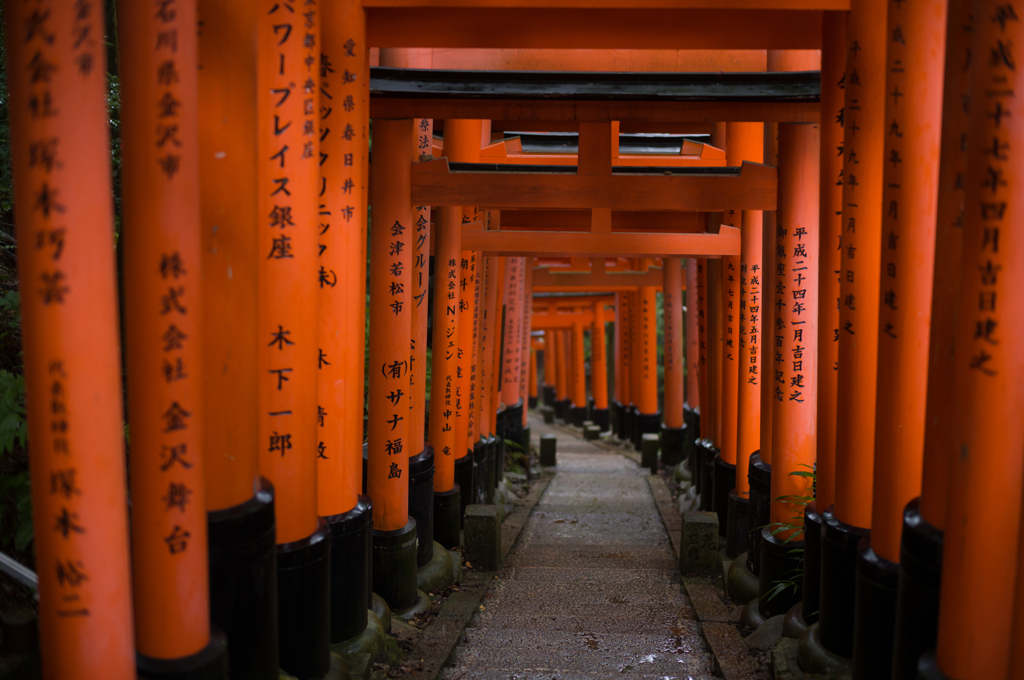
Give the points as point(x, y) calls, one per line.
point(698, 547)
point(483, 536)
point(549, 414)
point(592, 432)
point(548, 447)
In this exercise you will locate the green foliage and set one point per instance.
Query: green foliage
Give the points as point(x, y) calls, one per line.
point(13, 428)
point(794, 527)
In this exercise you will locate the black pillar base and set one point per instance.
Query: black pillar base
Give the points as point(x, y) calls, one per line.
point(351, 592)
point(614, 416)
point(500, 431)
point(492, 467)
point(691, 419)
point(514, 421)
point(917, 596)
point(304, 604)
point(777, 564)
point(874, 621)
point(645, 423)
point(243, 584)
point(928, 668)
point(737, 523)
point(421, 502)
point(759, 475)
point(447, 510)
point(525, 443)
point(566, 405)
point(724, 482)
point(629, 417)
point(560, 406)
point(209, 663)
point(697, 465)
point(673, 444)
point(531, 402)
point(839, 542)
point(483, 473)
point(707, 472)
point(812, 564)
point(549, 395)
point(394, 566)
point(465, 477)
point(577, 414)
point(601, 418)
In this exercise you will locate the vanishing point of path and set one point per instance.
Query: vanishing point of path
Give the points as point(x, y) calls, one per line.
point(591, 589)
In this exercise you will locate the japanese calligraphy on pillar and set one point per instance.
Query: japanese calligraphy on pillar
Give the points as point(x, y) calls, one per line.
point(289, 188)
point(513, 298)
point(994, 192)
point(60, 161)
point(731, 276)
point(750, 316)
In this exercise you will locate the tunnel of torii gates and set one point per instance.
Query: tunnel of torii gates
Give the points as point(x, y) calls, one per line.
point(828, 179)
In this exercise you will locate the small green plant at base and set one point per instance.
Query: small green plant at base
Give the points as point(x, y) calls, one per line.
point(794, 579)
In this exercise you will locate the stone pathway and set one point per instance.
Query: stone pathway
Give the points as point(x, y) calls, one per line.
point(591, 590)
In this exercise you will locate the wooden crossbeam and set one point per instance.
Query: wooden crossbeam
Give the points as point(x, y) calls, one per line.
point(583, 244)
point(540, 321)
point(597, 24)
point(754, 188)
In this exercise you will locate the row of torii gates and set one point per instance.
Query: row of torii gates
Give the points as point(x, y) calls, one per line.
point(851, 212)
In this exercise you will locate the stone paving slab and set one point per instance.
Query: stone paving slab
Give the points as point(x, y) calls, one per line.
point(591, 589)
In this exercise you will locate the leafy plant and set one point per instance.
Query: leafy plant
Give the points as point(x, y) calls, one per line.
point(13, 427)
point(791, 529)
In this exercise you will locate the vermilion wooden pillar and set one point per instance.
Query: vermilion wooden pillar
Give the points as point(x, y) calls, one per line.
point(648, 416)
point(443, 384)
point(473, 434)
point(909, 196)
point(692, 341)
point(60, 159)
point(833, 79)
point(917, 606)
point(599, 368)
point(524, 357)
point(865, 153)
point(489, 336)
point(672, 430)
point(984, 517)
point(620, 417)
point(421, 459)
point(163, 270)
point(240, 503)
point(290, 355)
point(793, 358)
point(341, 230)
point(394, 532)
point(579, 377)
point(533, 390)
point(558, 354)
point(462, 143)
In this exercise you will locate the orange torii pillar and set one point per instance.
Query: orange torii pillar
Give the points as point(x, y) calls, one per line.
point(524, 357)
point(462, 143)
point(793, 355)
point(549, 360)
point(924, 518)
point(558, 354)
point(633, 354)
point(344, 171)
point(599, 369)
point(287, 219)
point(578, 387)
point(60, 157)
point(476, 443)
point(391, 240)
point(744, 142)
point(830, 210)
point(239, 502)
point(865, 152)
point(673, 429)
point(691, 405)
point(496, 408)
point(697, 455)
point(909, 198)
point(981, 624)
point(533, 393)
point(421, 457)
point(513, 347)
point(647, 415)
point(713, 351)
point(489, 337)
point(163, 270)
point(617, 411)
point(444, 365)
